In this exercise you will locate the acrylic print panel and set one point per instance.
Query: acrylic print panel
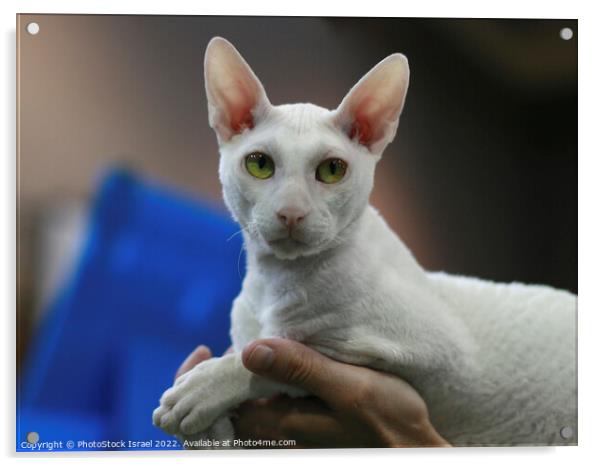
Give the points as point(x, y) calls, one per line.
point(129, 258)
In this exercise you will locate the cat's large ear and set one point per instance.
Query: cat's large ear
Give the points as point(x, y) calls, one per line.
point(235, 96)
point(369, 113)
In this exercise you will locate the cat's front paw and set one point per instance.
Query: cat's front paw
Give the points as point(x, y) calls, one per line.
point(194, 402)
point(219, 436)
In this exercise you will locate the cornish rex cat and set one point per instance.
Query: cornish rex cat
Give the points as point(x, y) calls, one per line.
point(494, 362)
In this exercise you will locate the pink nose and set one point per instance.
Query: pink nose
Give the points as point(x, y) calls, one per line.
point(291, 216)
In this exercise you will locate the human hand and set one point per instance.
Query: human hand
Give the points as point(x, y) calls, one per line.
point(353, 406)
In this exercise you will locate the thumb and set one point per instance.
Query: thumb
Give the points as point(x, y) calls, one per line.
point(293, 363)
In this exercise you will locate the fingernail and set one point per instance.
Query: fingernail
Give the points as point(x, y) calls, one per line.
point(261, 358)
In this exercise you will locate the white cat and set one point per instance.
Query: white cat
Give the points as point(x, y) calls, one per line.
point(496, 363)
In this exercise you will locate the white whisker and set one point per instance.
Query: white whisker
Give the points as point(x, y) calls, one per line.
point(238, 263)
point(240, 231)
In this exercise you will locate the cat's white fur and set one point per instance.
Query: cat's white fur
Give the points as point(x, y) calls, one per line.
point(496, 363)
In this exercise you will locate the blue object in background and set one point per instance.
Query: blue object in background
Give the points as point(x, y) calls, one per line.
point(157, 277)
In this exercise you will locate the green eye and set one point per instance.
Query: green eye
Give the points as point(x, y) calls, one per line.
point(331, 171)
point(259, 165)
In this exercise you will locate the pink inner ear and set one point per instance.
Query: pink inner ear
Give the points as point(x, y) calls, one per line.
point(362, 130)
point(243, 99)
point(241, 119)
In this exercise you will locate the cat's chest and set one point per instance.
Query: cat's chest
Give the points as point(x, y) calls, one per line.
point(292, 306)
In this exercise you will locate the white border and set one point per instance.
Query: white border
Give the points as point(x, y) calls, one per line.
point(438, 8)
point(590, 232)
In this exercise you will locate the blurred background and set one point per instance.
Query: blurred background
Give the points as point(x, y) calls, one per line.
point(481, 179)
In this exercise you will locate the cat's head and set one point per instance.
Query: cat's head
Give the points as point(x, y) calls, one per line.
point(297, 176)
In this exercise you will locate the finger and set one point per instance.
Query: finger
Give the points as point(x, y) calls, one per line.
point(200, 354)
point(312, 430)
point(295, 364)
point(307, 421)
point(270, 418)
point(256, 419)
point(312, 424)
